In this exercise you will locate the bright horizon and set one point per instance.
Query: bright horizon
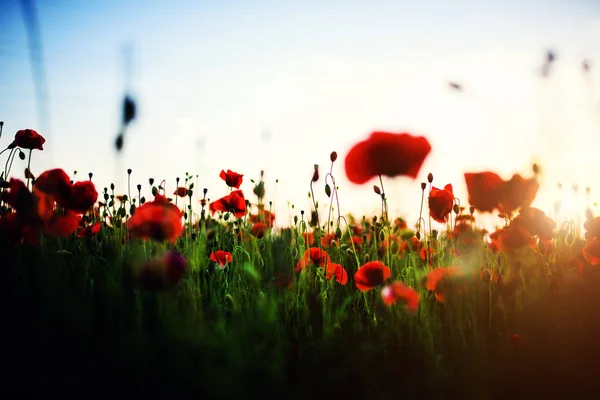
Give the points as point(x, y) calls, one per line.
point(210, 78)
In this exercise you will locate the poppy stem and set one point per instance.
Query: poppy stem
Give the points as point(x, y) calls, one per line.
point(421, 210)
point(28, 166)
point(384, 208)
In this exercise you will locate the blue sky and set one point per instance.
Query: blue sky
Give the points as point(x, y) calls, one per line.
point(211, 77)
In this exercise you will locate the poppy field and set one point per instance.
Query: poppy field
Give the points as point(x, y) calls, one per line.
point(147, 291)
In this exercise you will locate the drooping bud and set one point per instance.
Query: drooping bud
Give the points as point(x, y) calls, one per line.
point(316, 174)
point(328, 190)
point(472, 210)
point(456, 209)
point(333, 156)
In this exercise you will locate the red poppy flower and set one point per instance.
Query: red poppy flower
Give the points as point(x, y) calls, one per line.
point(483, 190)
point(55, 183)
point(592, 227)
point(487, 191)
point(399, 292)
point(82, 198)
point(234, 202)
point(221, 257)
point(263, 216)
point(259, 229)
point(512, 237)
point(29, 139)
point(328, 240)
point(387, 154)
point(232, 179)
point(90, 230)
point(536, 222)
point(18, 196)
point(412, 244)
point(181, 192)
point(372, 274)
point(63, 225)
point(438, 281)
point(341, 276)
point(591, 251)
point(441, 203)
point(158, 220)
point(309, 238)
point(517, 193)
point(315, 256)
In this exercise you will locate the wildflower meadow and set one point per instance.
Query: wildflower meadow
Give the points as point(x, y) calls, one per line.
point(144, 291)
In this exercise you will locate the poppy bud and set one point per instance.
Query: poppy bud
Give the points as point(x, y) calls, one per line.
point(132, 209)
point(456, 209)
point(151, 180)
point(204, 191)
point(316, 174)
point(295, 220)
point(124, 197)
point(472, 210)
point(90, 175)
point(139, 187)
point(418, 235)
point(154, 190)
point(333, 156)
point(129, 171)
point(226, 217)
point(535, 168)
point(105, 196)
point(338, 233)
point(423, 185)
point(21, 155)
point(430, 177)
point(376, 189)
point(328, 190)
point(190, 193)
point(1, 123)
point(112, 186)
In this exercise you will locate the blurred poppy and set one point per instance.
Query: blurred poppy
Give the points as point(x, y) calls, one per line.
point(591, 251)
point(387, 154)
point(90, 230)
point(441, 203)
point(313, 255)
point(82, 198)
point(399, 292)
point(264, 216)
point(232, 179)
point(444, 280)
point(259, 229)
point(181, 192)
point(536, 222)
point(162, 272)
point(512, 237)
point(372, 274)
point(158, 220)
point(483, 190)
point(63, 225)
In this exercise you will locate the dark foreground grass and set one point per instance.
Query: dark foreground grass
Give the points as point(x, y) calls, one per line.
point(73, 323)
